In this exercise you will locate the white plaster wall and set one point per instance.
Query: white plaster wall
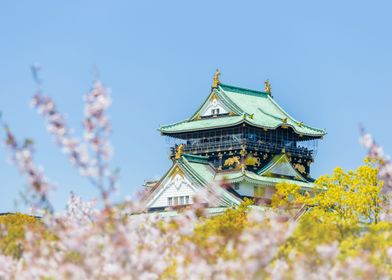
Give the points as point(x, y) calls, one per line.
point(213, 105)
point(246, 188)
point(176, 186)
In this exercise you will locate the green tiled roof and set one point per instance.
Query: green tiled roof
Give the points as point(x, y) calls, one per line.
point(201, 170)
point(239, 175)
point(281, 161)
point(206, 174)
point(253, 107)
point(203, 173)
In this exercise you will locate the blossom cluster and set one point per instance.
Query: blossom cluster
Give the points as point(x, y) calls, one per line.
point(123, 243)
point(376, 153)
point(38, 184)
point(318, 241)
point(92, 155)
point(93, 244)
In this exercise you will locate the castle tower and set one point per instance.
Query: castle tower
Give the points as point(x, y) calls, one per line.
point(239, 136)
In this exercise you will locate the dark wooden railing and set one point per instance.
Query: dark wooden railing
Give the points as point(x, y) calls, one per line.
point(273, 148)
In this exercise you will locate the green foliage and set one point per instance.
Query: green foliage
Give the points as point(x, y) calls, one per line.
point(211, 235)
point(228, 225)
point(343, 209)
point(13, 232)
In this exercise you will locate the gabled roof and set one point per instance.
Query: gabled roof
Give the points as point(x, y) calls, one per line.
point(280, 166)
point(201, 173)
point(256, 108)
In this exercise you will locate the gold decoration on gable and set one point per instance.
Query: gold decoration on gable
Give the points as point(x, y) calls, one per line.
point(300, 168)
point(197, 117)
point(252, 161)
point(179, 151)
point(177, 171)
point(232, 161)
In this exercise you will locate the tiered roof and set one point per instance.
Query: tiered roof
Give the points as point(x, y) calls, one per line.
point(256, 108)
point(239, 106)
point(203, 175)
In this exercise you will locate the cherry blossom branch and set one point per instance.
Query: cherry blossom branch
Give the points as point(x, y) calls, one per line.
point(91, 156)
point(382, 161)
point(22, 156)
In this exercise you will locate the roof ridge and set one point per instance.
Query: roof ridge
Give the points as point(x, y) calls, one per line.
point(245, 90)
point(196, 158)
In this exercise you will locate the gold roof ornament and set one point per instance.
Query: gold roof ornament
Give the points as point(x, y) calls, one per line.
point(267, 87)
point(215, 81)
point(179, 151)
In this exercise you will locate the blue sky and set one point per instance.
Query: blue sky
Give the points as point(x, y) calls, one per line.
point(329, 63)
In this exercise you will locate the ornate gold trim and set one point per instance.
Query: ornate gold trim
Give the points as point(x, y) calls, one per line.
point(179, 151)
point(232, 161)
point(300, 168)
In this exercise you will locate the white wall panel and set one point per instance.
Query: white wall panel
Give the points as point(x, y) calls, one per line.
point(174, 187)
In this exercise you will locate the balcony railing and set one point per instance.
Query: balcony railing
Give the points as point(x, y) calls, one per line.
point(218, 146)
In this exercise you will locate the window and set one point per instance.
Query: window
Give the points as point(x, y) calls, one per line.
point(178, 200)
point(217, 111)
point(212, 111)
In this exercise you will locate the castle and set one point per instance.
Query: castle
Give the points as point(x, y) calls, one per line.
point(238, 144)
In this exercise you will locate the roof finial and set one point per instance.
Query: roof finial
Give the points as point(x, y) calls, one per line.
point(267, 87)
point(179, 151)
point(216, 82)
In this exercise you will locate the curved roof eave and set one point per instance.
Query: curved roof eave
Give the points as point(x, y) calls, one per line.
point(318, 134)
point(275, 104)
point(245, 177)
